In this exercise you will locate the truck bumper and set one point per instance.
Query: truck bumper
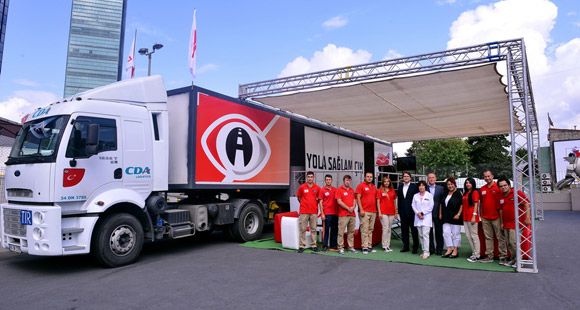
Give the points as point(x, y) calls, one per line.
point(41, 230)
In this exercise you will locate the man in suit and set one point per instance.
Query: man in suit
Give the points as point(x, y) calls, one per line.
point(435, 244)
point(405, 193)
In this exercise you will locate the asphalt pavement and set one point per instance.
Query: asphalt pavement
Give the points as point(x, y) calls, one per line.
point(219, 274)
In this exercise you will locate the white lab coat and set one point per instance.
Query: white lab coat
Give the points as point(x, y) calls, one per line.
point(423, 204)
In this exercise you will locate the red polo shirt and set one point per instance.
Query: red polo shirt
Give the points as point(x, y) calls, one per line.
point(509, 210)
point(347, 197)
point(308, 197)
point(490, 196)
point(328, 196)
point(387, 201)
point(469, 210)
point(368, 196)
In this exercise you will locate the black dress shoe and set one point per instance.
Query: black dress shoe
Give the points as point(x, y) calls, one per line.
point(404, 250)
point(446, 255)
point(438, 252)
point(453, 256)
point(415, 251)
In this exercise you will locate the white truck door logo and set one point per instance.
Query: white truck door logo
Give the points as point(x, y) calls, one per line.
point(241, 146)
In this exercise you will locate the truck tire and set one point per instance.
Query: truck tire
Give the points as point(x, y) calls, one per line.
point(118, 240)
point(248, 226)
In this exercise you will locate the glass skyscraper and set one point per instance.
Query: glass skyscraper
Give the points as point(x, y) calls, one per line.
point(3, 18)
point(95, 46)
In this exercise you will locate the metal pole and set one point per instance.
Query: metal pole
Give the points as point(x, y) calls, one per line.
point(149, 64)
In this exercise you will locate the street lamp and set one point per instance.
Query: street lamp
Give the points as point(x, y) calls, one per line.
point(145, 52)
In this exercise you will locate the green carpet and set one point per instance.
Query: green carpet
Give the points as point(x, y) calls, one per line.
point(396, 256)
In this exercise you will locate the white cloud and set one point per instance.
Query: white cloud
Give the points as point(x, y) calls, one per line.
point(392, 54)
point(505, 20)
point(577, 24)
point(23, 102)
point(207, 68)
point(555, 72)
point(148, 30)
point(571, 13)
point(335, 22)
point(329, 57)
point(25, 82)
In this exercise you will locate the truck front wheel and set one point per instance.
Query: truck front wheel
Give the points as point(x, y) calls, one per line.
point(118, 240)
point(248, 226)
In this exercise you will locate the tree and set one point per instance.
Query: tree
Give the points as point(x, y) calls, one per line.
point(490, 152)
point(446, 157)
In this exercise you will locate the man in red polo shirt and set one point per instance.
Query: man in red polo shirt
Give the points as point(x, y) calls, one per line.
point(329, 207)
point(346, 205)
point(491, 223)
point(308, 197)
point(508, 215)
point(366, 194)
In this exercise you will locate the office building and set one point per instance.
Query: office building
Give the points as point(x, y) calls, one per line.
point(3, 18)
point(95, 47)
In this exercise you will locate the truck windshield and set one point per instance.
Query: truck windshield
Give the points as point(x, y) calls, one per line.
point(38, 140)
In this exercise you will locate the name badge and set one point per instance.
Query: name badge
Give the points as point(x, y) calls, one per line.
point(484, 192)
point(345, 194)
point(501, 201)
point(326, 194)
point(306, 191)
point(384, 194)
point(366, 188)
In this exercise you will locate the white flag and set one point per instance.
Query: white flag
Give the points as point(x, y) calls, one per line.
point(131, 58)
point(193, 47)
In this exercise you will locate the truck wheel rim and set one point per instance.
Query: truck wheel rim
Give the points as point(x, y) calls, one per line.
point(251, 223)
point(122, 240)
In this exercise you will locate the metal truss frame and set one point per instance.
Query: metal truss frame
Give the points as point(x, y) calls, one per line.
point(524, 133)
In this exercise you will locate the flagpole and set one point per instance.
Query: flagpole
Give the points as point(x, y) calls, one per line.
point(192, 56)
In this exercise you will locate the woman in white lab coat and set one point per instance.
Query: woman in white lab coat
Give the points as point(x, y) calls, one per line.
point(423, 206)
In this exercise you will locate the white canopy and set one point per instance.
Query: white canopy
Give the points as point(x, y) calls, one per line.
point(459, 103)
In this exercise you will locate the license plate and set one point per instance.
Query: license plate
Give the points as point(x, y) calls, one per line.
point(25, 217)
point(14, 248)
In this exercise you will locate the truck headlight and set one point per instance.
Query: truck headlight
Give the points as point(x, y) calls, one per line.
point(38, 218)
point(37, 233)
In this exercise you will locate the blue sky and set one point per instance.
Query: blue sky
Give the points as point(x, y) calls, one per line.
point(248, 41)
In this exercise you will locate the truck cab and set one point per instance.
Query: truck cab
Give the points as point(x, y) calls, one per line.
point(81, 170)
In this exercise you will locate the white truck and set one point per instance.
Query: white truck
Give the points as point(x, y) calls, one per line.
point(91, 173)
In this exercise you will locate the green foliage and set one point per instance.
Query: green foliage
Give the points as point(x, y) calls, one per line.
point(446, 157)
point(490, 152)
point(464, 157)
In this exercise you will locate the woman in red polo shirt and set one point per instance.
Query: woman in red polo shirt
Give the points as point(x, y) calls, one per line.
point(471, 217)
point(386, 198)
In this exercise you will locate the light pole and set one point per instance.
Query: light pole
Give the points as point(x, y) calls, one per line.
point(145, 52)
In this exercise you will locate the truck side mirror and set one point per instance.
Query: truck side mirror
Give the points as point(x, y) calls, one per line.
point(92, 139)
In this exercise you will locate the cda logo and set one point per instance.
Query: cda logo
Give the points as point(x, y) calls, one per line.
point(238, 147)
point(140, 172)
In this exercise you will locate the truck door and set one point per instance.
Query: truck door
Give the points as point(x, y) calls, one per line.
point(138, 156)
point(83, 171)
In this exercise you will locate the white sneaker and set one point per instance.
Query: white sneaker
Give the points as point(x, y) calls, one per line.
point(425, 256)
point(341, 251)
point(373, 250)
point(473, 259)
point(352, 250)
point(387, 250)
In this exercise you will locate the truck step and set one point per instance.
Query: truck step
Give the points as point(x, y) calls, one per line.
point(73, 230)
point(182, 231)
point(73, 248)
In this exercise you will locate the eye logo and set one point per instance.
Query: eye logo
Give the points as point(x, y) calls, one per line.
point(238, 147)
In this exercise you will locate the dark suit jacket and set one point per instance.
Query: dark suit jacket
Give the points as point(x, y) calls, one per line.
point(451, 209)
point(437, 200)
point(404, 203)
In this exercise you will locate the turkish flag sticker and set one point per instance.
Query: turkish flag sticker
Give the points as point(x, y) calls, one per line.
point(72, 176)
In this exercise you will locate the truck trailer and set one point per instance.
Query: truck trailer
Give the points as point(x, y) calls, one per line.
point(94, 173)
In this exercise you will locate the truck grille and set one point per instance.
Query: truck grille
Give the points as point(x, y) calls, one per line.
point(12, 224)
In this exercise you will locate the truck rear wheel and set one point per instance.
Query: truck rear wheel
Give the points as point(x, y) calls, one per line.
point(248, 226)
point(118, 240)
